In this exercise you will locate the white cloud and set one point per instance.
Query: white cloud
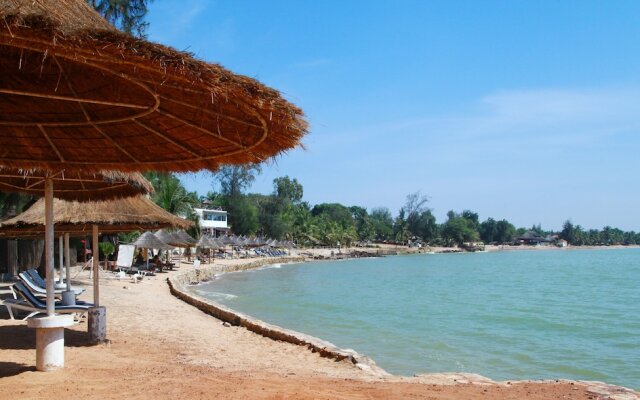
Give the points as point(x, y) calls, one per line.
point(523, 121)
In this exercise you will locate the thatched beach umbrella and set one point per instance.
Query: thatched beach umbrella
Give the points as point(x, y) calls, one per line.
point(71, 186)
point(73, 218)
point(78, 185)
point(168, 238)
point(76, 218)
point(77, 94)
point(208, 243)
point(171, 239)
point(149, 241)
point(186, 238)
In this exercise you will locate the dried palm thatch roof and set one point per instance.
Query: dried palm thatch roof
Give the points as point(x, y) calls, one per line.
point(167, 237)
point(76, 218)
point(149, 241)
point(76, 93)
point(76, 185)
point(177, 239)
point(206, 243)
point(186, 238)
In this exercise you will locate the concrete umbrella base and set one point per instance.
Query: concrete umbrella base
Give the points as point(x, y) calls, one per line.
point(50, 340)
point(97, 324)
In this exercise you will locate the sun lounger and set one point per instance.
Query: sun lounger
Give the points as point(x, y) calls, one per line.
point(30, 303)
point(37, 286)
point(41, 282)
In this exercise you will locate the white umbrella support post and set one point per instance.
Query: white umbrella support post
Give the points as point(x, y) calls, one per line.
point(60, 261)
point(50, 328)
point(97, 315)
point(68, 297)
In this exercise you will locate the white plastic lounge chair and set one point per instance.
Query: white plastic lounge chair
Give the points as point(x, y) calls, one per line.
point(37, 286)
point(34, 306)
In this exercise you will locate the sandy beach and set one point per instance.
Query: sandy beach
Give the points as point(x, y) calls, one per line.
point(161, 347)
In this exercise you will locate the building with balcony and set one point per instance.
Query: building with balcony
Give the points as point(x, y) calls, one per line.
point(213, 221)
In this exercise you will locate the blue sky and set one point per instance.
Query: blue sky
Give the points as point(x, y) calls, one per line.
point(524, 110)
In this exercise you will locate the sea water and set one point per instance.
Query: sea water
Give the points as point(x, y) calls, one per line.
point(507, 315)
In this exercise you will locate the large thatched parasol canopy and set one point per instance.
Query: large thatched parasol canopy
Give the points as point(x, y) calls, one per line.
point(75, 93)
point(77, 219)
point(75, 185)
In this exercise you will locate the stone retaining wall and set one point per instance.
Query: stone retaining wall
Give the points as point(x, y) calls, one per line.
point(178, 286)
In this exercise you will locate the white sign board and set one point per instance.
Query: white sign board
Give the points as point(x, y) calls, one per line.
point(125, 255)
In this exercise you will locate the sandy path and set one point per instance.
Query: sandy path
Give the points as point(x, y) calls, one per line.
point(162, 348)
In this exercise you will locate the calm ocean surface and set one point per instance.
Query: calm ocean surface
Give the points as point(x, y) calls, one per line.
point(507, 315)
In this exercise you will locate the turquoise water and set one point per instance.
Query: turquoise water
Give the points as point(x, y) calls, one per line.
point(507, 315)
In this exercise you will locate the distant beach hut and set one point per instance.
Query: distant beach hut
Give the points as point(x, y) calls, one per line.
point(79, 95)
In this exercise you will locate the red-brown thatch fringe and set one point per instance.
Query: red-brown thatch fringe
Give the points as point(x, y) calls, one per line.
point(75, 185)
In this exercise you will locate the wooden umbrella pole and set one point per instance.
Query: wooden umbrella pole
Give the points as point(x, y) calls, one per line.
point(49, 240)
point(60, 256)
point(67, 259)
point(96, 266)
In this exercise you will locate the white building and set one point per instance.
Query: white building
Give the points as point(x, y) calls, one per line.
point(212, 221)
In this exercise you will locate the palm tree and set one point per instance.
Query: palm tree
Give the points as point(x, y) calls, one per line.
point(171, 195)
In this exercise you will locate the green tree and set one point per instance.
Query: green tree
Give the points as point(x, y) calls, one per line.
point(401, 233)
point(334, 212)
point(235, 179)
point(472, 217)
point(505, 232)
point(287, 189)
point(489, 231)
point(382, 223)
point(459, 230)
point(126, 15)
point(363, 224)
point(426, 226)
point(242, 213)
point(243, 216)
point(171, 194)
point(568, 232)
point(413, 208)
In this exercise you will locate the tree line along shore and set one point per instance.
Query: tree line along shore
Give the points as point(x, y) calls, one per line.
point(284, 215)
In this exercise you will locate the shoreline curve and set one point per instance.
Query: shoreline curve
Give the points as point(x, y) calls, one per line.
point(177, 286)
